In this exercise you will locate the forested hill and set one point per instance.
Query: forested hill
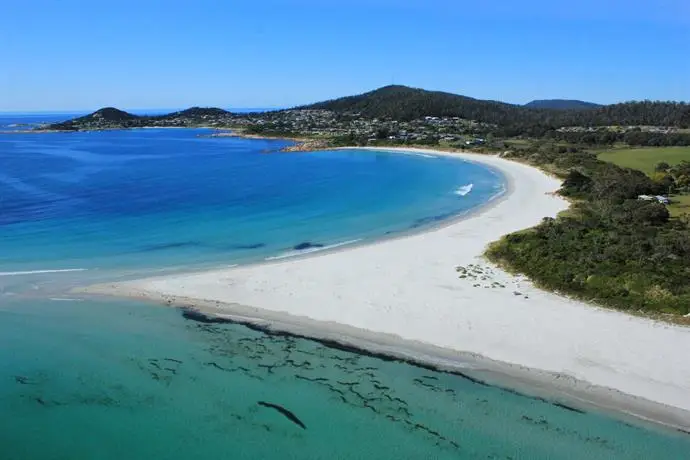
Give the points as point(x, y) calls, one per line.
point(112, 118)
point(561, 104)
point(404, 104)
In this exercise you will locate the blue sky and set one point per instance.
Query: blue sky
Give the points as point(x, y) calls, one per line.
point(67, 54)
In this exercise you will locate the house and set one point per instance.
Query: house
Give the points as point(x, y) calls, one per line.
point(657, 198)
point(476, 141)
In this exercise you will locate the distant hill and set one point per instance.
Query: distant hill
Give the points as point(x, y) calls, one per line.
point(561, 104)
point(198, 112)
point(105, 118)
point(112, 118)
point(110, 113)
point(405, 103)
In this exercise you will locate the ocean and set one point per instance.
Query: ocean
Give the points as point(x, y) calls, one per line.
point(105, 379)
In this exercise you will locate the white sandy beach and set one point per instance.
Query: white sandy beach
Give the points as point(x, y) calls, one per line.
point(407, 290)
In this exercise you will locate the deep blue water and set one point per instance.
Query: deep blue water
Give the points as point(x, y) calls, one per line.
point(87, 379)
point(167, 198)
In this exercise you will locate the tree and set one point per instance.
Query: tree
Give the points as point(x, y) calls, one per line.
point(661, 166)
point(576, 184)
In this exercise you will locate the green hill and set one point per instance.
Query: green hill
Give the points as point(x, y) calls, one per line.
point(105, 118)
point(198, 112)
point(561, 104)
point(112, 118)
point(110, 114)
point(404, 103)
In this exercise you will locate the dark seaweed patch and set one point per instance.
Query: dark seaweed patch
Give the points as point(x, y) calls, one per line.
point(306, 245)
point(431, 219)
point(569, 408)
point(195, 315)
point(249, 246)
point(167, 246)
point(289, 415)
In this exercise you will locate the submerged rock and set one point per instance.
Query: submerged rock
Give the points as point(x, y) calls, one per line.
point(307, 245)
point(249, 246)
point(167, 246)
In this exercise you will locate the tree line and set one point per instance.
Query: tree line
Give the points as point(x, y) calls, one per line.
point(405, 104)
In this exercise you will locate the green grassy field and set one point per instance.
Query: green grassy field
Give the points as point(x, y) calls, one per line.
point(644, 159)
point(680, 204)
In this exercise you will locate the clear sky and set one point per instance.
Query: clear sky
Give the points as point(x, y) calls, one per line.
point(69, 54)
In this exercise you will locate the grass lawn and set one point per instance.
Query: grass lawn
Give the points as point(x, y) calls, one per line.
point(679, 204)
point(645, 158)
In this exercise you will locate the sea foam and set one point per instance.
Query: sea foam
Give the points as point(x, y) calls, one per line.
point(36, 272)
point(464, 190)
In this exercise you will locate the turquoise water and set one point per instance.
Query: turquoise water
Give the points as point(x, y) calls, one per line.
point(110, 379)
point(115, 380)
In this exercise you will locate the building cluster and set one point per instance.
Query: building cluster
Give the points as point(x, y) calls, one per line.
point(619, 129)
point(325, 123)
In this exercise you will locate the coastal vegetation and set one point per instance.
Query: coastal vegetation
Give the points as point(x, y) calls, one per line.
point(610, 247)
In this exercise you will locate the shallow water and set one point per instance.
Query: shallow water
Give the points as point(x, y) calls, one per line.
point(123, 380)
point(86, 379)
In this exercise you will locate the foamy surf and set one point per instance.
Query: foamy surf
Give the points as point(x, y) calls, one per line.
point(464, 190)
point(310, 250)
point(417, 154)
point(38, 272)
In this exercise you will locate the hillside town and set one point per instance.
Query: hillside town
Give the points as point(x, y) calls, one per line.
point(329, 124)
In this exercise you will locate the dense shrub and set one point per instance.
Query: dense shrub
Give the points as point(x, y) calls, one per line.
point(610, 247)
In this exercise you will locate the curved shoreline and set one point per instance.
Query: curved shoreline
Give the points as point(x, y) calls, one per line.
point(474, 211)
point(402, 297)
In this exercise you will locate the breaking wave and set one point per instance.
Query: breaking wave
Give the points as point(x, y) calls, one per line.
point(36, 272)
point(464, 190)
